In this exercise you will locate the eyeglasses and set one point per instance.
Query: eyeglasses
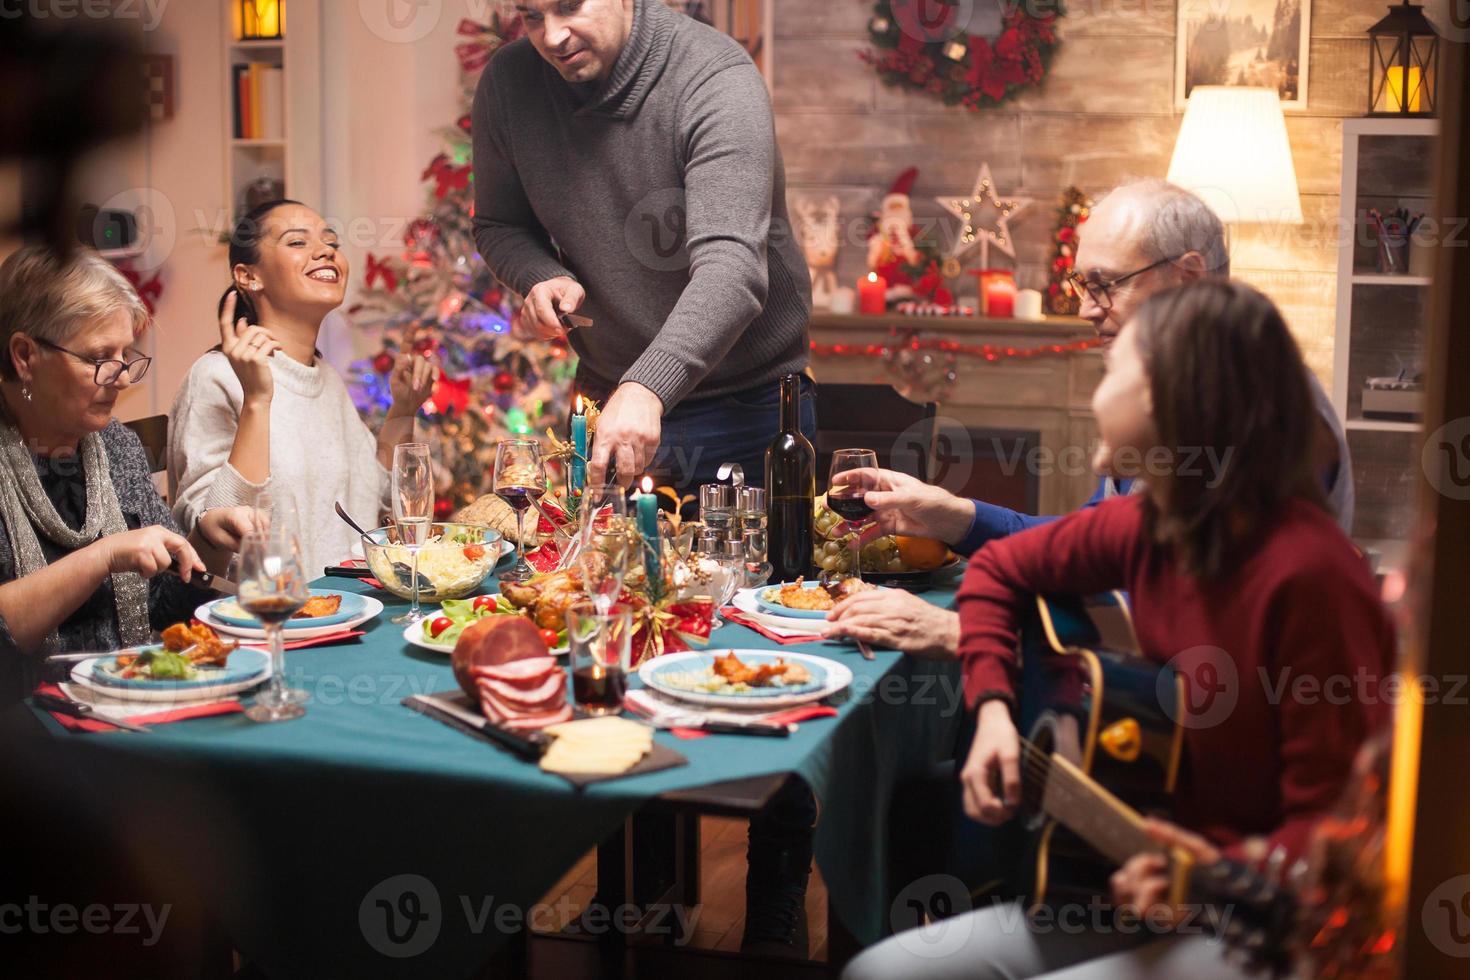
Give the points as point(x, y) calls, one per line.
point(1100, 290)
point(106, 372)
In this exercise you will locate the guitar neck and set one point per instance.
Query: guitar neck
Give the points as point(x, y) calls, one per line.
point(1110, 826)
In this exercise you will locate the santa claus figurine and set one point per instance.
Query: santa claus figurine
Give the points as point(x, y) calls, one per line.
point(893, 241)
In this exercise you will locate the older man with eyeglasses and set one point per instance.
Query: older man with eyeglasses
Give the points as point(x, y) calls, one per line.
point(1141, 238)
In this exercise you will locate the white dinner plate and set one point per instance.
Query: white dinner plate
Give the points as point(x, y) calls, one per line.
point(81, 675)
point(371, 608)
point(838, 677)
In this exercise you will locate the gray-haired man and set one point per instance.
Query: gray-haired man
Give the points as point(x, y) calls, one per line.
point(1141, 238)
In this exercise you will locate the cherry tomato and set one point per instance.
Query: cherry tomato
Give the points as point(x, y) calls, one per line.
point(483, 602)
point(438, 625)
point(474, 552)
point(552, 639)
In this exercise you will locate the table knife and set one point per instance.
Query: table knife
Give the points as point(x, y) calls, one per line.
point(77, 709)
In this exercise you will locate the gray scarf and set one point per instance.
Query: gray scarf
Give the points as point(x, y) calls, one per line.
point(25, 509)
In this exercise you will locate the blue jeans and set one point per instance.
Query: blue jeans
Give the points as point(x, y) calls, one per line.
point(699, 436)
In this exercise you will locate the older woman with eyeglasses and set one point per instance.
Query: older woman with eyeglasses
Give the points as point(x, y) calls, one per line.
point(83, 533)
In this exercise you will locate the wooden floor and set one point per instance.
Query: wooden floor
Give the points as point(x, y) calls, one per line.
point(721, 919)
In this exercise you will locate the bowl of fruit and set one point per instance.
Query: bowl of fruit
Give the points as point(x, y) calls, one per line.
point(891, 559)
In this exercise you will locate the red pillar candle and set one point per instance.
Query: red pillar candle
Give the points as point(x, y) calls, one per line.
point(873, 295)
point(997, 291)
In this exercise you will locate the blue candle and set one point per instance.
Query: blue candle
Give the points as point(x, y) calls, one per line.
point(578, 479)
point(647, 503)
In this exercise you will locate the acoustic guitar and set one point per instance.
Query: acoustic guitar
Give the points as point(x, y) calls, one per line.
point(1083, 803)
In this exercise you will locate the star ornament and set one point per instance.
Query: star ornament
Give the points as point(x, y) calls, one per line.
point(984, 217)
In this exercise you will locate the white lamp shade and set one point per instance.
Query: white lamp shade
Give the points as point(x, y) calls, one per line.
point(1232, 151)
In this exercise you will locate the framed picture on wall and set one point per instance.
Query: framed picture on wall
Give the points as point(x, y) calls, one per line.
point(747, 21)
point(1243, 42)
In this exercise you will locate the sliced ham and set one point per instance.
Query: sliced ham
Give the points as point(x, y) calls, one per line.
point(529, 671)
point(536, 722)
point(529, 695)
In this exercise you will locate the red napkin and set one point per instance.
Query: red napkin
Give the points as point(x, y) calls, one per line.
point(371, 583)
point(314, 641)
point(736, 616)
point(791, 716)
point(157, 718)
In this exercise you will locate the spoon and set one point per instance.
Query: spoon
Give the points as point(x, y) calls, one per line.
point(403, 570)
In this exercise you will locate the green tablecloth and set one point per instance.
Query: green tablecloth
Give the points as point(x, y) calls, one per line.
point(293, 825)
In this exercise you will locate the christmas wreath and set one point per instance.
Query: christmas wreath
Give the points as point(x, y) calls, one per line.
point(918, 44)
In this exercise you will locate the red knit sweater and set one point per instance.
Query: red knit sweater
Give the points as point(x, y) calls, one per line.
point(1284, 656)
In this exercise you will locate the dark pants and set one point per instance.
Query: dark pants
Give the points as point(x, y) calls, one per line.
point(699, 436)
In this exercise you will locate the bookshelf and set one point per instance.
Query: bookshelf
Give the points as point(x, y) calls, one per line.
point(1386, 163)
point(282, 144)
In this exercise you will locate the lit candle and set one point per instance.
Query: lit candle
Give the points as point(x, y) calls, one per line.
point(578, 478)
point(873, 295)
point(647, 503)
point(1403, 80)
point(997, 292)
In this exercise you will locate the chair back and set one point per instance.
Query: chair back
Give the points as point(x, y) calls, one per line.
point(153, 433)
point(876, 417)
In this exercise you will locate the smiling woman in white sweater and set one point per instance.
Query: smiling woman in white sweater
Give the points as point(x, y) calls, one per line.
point(263, 410)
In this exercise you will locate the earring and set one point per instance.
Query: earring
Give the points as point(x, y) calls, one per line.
point(255, 287)
point(25, 392)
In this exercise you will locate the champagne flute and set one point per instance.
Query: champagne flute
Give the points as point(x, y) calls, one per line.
point(413, 510)
point(605, 547)
point(850, 502)
point(273, 587)
point(520, 478)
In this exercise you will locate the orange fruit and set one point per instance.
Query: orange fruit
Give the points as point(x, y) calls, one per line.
point(922, 554)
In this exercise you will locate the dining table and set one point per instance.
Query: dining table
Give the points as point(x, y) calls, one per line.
point(368, 839)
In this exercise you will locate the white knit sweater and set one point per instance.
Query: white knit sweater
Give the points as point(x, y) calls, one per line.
point(321, 452)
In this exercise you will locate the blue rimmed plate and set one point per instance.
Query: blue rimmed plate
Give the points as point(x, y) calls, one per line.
point(689, 677)
point(244, 667)
point(229, 612)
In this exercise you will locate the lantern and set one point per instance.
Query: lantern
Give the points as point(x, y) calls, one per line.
point(1403, 63)
point(259, 20)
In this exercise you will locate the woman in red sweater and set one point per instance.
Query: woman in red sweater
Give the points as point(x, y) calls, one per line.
point(1238, 578)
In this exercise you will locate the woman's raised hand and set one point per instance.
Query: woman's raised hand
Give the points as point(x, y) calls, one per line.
point(411, 382)
point(248, 347)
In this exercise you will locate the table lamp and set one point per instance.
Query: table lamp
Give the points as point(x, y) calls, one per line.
point(1232, 151)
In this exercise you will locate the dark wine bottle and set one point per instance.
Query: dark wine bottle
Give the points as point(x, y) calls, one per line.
point(791, 490)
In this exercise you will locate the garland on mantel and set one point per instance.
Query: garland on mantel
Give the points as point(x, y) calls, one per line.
point(988, 352)
point(917, 45)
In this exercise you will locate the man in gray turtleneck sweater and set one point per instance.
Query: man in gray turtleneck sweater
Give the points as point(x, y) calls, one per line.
point(626, 168)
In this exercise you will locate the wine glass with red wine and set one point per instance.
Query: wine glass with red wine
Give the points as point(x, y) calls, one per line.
point(520, 479)
point(273, 588)
point(849, 501)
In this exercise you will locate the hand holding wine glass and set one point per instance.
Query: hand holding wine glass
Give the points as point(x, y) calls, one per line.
point(849, 501)
point(520, 478)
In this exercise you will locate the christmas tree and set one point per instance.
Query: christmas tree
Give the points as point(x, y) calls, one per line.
point(438, 296)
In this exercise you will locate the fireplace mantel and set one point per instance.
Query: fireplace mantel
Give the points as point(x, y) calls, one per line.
point(1048, 394)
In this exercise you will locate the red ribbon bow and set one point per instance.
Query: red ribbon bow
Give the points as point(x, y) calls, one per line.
point(377, 268)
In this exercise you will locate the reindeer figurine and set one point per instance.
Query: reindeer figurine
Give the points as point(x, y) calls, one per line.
point(820, 241)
